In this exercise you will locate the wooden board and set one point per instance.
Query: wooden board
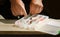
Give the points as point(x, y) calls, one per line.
point(7, 27)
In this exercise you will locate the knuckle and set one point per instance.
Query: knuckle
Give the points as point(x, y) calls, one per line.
point(42, 6)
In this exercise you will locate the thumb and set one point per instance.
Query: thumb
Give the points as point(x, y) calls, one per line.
point(25, 13)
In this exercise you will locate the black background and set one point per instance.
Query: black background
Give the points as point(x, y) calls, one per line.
point(52, 8)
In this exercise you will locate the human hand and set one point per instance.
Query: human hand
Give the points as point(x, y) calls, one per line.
point(18, 8)
point(36, 7)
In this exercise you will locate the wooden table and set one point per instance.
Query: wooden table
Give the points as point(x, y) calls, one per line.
point(7, 27)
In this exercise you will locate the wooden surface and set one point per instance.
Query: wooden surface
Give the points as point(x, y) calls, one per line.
point(7, 27)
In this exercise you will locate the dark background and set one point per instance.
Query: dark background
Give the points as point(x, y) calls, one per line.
point(51, 8)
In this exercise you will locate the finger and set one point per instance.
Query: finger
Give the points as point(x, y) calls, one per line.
point(22, 10)
point(41, 9)
point(38, 9)
point(25, 13)
point(16, 11)
point(13, 11)
point(34, 10)
point(19, 10)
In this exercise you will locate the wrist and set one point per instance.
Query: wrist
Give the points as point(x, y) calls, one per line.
point(37, 2)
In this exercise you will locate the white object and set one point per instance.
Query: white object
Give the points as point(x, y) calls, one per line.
point(52, 27)
point(1, 17)
point(25, 23)
point(39, 23)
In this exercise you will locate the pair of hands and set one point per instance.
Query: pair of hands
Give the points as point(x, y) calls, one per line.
point(18, 7)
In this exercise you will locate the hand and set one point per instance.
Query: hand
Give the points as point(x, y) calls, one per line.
point(18, 8)
point(36, 7)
